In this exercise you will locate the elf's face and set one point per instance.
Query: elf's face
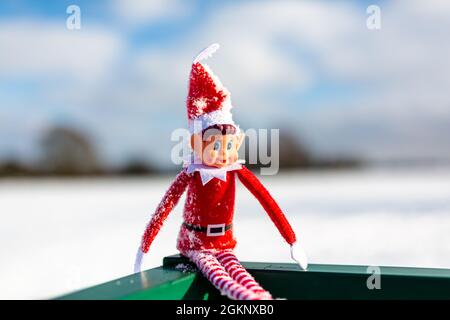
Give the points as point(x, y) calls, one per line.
point(217, 150)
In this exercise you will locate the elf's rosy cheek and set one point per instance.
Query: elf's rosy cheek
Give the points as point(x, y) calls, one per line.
point(213, 154)
point(209, 157)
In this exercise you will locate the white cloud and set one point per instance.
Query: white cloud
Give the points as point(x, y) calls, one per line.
point(47, 49)
point(141, 12)
point(64, 66)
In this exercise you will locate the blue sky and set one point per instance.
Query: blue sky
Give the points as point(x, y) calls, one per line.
point(312, 67)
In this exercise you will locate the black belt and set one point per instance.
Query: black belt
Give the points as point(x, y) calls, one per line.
point(211, 229)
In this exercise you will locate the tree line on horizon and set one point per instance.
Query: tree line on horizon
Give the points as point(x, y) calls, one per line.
point(68, 152)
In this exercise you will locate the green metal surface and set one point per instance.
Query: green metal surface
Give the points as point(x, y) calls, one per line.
point(283, 280)
point(157, 283)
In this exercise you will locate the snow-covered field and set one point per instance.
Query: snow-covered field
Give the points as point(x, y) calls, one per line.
point(57, 236)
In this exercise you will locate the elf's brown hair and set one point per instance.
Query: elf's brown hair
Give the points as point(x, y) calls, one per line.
point(223, 129)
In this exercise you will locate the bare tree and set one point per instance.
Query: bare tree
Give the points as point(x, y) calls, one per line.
point(66, 151)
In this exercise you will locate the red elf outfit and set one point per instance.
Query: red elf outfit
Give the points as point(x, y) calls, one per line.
point(206, 235)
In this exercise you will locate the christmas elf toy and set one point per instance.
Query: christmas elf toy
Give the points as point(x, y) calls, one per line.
point(206, 235)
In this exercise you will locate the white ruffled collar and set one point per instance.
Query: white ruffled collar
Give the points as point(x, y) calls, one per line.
point(207, 173)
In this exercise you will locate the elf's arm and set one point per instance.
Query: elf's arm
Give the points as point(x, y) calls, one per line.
point(251, 182)
point(168, 202)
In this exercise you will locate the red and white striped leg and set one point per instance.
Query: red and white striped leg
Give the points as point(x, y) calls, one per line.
point(219, 277)
point(234, 268)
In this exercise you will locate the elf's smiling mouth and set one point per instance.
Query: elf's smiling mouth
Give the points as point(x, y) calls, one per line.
point(221, 162)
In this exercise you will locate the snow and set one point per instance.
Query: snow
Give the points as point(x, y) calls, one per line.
point(58, 236)
point(184, 267)
point(220, 116)
point(207, 52)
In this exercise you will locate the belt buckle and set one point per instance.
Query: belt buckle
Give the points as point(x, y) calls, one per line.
point(213, 233)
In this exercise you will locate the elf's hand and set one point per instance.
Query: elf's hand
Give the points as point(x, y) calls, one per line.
point(299, 255)
point(138, 261)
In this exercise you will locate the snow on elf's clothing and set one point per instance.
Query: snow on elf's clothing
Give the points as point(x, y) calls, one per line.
point(211, 203)
point(206, 236)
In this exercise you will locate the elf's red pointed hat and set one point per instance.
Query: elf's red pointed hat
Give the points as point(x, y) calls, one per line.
point(208, 101)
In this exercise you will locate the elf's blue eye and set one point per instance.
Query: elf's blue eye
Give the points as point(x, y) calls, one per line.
point(217, 145)
point(229, 145)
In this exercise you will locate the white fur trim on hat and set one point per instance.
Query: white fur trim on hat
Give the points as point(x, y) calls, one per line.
point(222, 116)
